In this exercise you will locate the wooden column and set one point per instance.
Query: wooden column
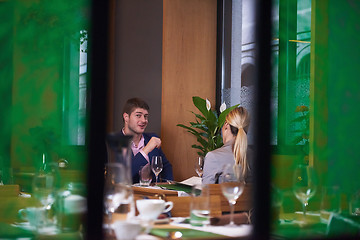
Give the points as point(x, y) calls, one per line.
point(188, 69)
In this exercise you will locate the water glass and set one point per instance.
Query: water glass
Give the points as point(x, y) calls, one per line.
point(330, 202)
point(145, 177)
point(43, 185)
point(354, 206)
point(118, 195)
point(200, 205)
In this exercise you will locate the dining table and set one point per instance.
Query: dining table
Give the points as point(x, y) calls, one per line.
point(180, 228)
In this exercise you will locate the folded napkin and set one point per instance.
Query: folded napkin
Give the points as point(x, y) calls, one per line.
point(343, 223)
point(239, 218)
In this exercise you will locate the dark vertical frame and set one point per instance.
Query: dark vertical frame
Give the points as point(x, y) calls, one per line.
point(262, 119)
point(97, 102)
point(262, 114)
point(263, 8)
point(223, 48)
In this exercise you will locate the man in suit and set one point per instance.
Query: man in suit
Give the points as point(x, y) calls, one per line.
point(143, 145)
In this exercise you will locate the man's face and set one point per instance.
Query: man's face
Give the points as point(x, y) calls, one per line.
point(137, 121)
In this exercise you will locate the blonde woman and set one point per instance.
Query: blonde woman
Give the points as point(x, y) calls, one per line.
point(234, 150)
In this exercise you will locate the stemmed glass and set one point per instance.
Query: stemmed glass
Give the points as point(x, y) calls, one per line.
point(156, 166)
point(304, 185)
point(232, 186)
point(199, 165)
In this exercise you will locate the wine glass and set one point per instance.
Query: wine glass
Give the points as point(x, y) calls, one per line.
point(232, 186)
point(116, 191)
point(156, 166)
point(199, 165)
point(304, 185)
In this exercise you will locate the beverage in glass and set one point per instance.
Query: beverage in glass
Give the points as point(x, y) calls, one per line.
point(156, 166)
point(232, 186)
point(200, 205)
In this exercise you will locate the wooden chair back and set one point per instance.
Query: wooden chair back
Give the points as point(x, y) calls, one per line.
point(244, 202)
point(182, 206)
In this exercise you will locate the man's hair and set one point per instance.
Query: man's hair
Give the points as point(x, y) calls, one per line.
point(133, 103)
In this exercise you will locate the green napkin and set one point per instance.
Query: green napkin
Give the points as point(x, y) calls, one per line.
point(186, 233)
point(177, 187)
point(9, 231)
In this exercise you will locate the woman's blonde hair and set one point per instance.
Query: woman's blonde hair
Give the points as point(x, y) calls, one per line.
point(239, 121)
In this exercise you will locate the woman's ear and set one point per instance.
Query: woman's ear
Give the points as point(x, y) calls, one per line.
point(226, 125)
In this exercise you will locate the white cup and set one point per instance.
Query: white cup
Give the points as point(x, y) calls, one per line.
point(36, 216)
point(125, 230)
point(150, 209)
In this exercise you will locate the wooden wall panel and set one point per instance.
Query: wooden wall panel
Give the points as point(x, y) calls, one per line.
point(188, 69)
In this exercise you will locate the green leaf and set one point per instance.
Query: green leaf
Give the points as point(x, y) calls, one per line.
point(196, 134)
point(204, 134)
point(197, 147)
point(201, 105)
point(299, 131)
point(297, 140)
point(299, 119)
point(212, 121)
point(191, 130)
point(199, 116)
point(198, 125)
point(219, 141)
point(203, 142)
point(201, 154)
point(222, 116)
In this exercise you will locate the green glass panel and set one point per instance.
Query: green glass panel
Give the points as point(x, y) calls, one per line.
point(318, 96)
point(43, 85)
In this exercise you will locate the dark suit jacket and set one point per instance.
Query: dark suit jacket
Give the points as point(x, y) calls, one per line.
point(138, 161)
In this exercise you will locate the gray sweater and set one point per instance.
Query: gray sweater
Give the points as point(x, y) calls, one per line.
point(216, 159)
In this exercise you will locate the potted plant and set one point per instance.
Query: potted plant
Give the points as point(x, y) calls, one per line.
point(207, 125)
point(302, 131)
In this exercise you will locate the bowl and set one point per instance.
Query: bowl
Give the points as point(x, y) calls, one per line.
point(126, 230)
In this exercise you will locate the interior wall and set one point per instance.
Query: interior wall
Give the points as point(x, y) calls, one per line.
point(188, 69)
point(138, 58)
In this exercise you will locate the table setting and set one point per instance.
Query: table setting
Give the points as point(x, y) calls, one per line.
point(174, 210)
point(180, 227)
